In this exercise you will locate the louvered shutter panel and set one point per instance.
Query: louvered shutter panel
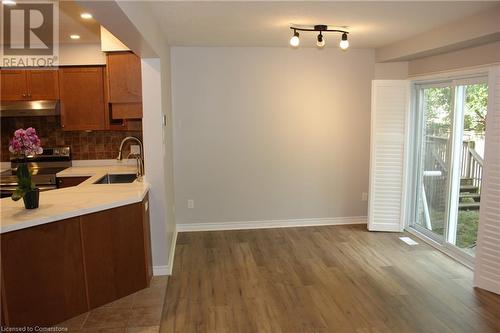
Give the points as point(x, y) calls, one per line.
point(487, 265)
point(389, 119)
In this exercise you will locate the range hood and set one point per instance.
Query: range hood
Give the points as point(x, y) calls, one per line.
point(29, 108)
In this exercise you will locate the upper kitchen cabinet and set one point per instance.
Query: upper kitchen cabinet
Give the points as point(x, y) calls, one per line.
point(124, 85)
point(13, 85)
point(82, 98)
point(43, 84)
point(32, 84)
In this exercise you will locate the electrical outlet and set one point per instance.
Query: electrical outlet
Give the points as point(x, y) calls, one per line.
point(190, 203)
point(364, 196)
point(135, 149)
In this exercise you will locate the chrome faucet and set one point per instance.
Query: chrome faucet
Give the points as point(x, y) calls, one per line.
point(138, 157)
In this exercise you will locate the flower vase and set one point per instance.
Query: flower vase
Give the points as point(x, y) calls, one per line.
point(26, 189)
point(31, 199)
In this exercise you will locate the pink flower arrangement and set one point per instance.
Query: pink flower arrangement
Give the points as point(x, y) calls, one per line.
point(25, 142)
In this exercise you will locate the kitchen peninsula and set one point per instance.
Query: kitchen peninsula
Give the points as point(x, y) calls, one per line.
point(85, 246)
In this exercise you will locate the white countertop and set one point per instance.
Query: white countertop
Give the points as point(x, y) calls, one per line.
point(74, 201)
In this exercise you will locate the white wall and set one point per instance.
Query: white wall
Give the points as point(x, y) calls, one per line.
point(270, 133)
point(474, 56)
point(109, 42)
point(157, 137)
point(81, 54)
point(153, 137)
point(168, 160)
point(474, 30)
point(391, 70)
point(131, 22)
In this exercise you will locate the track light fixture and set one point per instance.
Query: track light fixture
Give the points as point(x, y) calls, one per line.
point(295, 41)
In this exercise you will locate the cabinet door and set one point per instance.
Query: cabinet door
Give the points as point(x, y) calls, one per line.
point(126, 110)
point(43, 84)
point(63, 182)
point(124, 77)
point(114, 252)
point(43, 280)
point(13, 85)
point(82, 98)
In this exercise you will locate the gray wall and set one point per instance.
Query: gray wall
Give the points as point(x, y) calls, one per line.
point(270, 133)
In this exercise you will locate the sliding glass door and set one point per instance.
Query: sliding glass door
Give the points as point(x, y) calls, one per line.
point(448, 150)
point(433, 148)
point(472, 102)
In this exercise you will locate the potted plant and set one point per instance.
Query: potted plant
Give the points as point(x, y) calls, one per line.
point(25, 144)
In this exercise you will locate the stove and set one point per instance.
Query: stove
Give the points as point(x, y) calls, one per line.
point(43, 167)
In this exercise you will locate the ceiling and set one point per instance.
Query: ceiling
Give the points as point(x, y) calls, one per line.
point(266, 23)
point(70, 23)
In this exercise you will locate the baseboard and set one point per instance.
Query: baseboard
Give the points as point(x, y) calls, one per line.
point(167, 269)
point(161, 270)
point(389, 227)
point(266, 224)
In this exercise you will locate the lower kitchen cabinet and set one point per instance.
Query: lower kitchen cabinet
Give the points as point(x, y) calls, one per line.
point(113, 243)
point(55, 271)
point(43, 280)
point(63, 182)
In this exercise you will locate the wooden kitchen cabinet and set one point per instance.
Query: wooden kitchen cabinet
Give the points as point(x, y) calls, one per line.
point(13, 85)
point(124, 85)
point(118, 124)
point(63, 182)
point(124, 77)
point(43, 84)
point(29, 84)
point(56, 271)
point(43, 279)
point(117, 253)
point(82, 98)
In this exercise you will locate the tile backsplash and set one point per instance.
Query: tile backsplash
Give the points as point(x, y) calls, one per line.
point(95, 145)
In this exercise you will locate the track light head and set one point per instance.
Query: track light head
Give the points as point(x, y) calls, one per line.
point(344, 43)
point(321, 41)
point(295, 41)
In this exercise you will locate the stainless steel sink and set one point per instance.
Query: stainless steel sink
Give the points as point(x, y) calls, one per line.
point(116, 178)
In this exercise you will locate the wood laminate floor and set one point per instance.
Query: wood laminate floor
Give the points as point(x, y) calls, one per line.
point(320, 279)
